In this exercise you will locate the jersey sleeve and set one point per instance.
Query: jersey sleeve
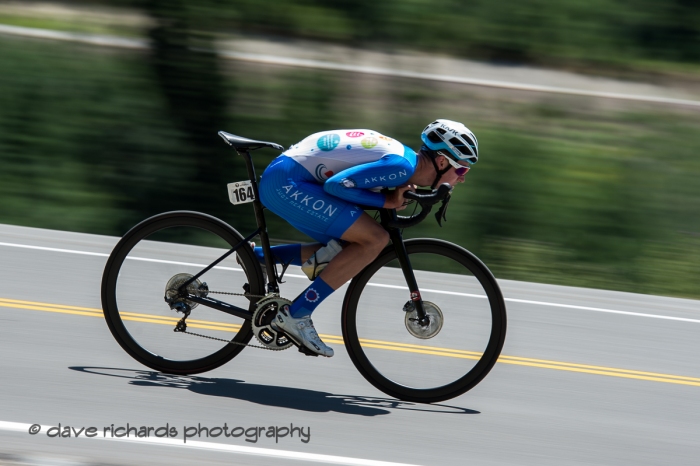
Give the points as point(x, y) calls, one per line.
point(354, 184)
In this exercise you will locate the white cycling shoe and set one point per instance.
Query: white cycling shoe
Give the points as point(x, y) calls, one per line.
point(302, 331)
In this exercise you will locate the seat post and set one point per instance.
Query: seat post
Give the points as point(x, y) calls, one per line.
point(262, 225)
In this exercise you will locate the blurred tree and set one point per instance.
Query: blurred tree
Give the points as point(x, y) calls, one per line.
point(570, 31)
point(186, 68)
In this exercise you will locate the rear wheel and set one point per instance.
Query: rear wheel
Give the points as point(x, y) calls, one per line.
point(425, 363)
point(147, 266)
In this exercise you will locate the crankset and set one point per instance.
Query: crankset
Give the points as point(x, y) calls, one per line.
point(426, 330)
point(263, 316)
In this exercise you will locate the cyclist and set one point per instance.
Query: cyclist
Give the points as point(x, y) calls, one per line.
point(317, 185)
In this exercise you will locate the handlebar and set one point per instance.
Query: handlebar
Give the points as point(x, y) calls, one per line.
point(427, 198)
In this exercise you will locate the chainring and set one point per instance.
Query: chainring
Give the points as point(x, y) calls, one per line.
point(196, 288)
point(263, 316)
point(423, 332)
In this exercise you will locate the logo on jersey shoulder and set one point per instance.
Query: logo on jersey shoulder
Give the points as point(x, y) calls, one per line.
point(311, 295)
point(322, 172)
point(354, 134)
point(369, 142)
point(328, 142)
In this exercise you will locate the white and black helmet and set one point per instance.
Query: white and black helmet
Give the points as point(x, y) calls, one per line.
point(452, 139)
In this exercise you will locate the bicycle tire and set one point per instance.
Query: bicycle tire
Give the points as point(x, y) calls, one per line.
point(470, 379)
point(111, 275)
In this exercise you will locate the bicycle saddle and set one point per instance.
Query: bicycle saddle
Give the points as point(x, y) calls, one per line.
point(245, 143)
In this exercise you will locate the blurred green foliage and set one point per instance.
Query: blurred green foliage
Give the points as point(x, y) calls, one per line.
point(568, 190)
point(567, 32)
point(652, 36)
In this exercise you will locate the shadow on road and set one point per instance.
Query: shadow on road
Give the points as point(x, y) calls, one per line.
point(271, 395)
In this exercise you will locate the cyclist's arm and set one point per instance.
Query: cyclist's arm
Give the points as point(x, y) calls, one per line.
point(354, 183)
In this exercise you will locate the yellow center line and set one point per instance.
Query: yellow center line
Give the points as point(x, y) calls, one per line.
point(367, 343)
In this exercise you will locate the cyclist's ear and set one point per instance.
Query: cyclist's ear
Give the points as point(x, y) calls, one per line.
point(440, 161)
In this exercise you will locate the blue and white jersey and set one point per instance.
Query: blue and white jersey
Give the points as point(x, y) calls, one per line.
point(353, 164)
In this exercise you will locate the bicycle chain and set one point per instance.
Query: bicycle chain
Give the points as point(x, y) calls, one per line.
point(221, 339)
point(227, 341)
point(247, 295)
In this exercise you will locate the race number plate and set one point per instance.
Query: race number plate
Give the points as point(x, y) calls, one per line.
point(240, 192)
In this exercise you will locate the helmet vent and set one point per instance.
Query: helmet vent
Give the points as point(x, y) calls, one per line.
point(433, 137)
point(440, 130)
point(460, 146)
point(469, 140)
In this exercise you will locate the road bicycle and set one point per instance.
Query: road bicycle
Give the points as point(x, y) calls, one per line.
point(424, 322)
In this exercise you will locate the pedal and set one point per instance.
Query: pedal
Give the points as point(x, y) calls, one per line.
point(304, 350)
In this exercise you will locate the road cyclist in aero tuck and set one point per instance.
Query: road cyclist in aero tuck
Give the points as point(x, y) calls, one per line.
point(321, 185)
point(422, 319)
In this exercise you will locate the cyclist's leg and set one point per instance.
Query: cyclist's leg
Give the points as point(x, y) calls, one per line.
point(288, 190)
point(281, 254)
point(295, 254)
point(365, 239)
point(308, 249)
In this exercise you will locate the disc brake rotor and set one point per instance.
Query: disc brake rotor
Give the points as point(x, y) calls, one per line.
point(434, 325)
point(262, 319)
point(196, 288)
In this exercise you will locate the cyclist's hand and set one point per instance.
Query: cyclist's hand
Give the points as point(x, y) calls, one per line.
point(395, 199)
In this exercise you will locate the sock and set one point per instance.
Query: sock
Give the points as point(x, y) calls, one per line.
point(283, 254)
point(307, 302)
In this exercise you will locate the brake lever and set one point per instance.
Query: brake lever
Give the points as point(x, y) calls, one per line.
point(441, 214)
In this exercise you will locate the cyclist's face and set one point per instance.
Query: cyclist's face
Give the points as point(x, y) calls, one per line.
point(452, 176)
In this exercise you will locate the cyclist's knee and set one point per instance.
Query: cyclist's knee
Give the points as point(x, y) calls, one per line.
point(368, 234)
point(381, 239)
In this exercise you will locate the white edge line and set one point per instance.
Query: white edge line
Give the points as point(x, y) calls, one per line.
point(256, 451)
point(42, 248)
point(542, 303)
point(112, 41)
point(596, 309)
point(454, 293)
point(144, 259)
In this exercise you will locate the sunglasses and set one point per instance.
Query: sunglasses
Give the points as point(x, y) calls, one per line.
point(460, 170)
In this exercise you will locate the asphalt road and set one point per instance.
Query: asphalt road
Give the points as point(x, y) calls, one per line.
point(585, 377)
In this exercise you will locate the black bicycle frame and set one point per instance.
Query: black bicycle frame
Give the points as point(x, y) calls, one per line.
point(272, 281)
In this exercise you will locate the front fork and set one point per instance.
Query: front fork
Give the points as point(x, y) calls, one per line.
point(402, 256)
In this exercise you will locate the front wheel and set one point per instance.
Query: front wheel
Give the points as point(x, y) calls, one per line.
point(149, 264)
point(420, 363)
